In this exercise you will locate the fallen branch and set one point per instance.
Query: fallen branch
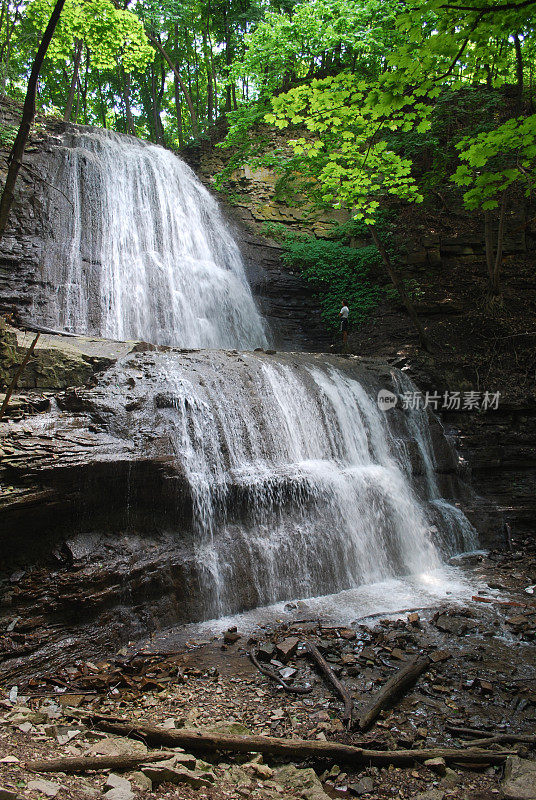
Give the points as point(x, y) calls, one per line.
point(271, 673)
point(483, 738)
point(332, 679)
point(294, 749)
point(504, 738)
point(397, 686)
point(95, 763)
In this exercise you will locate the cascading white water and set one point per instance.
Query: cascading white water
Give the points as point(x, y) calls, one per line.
point(142, 251)
point(297, 482)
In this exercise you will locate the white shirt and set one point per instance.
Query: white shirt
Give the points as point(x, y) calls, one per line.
point(344, 312)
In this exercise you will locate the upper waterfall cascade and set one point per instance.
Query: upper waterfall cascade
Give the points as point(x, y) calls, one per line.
point(142, 251)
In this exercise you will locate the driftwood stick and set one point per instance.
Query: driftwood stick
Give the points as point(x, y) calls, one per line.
point(295, 749)
point(95, 763)
point(271, 673)
point(504, 738)
point(471, 733)
point(481, 737)
point(332, 679)
point(393, 689)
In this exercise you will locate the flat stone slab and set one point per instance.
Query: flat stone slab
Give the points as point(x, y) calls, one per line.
point(48, 788)
point(519, 779)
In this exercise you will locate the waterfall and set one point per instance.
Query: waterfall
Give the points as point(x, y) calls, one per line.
point(296, 483)
point(299, 484)
point(138, 249)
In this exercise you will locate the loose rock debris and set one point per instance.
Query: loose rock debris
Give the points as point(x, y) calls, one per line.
point(478, 692)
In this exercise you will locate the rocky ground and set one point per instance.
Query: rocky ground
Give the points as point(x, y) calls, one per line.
point(481, 678)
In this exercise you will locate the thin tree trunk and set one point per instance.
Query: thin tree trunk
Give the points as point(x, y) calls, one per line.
point(28, 113)
point(228, 58)
point(16, 376)
point(155, 42)
point(8, 45)
point(210, 96)
point(495, 281)
point(131, 128)
point(156, 116)
point(213, 69)
point(488, 240)
point(178, 110)
point(399, 286)
point(101, 101)
point(519, 66)
point(84, 92)
point(74, 80)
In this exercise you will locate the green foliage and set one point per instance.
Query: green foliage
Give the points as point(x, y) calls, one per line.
point(317, 38)
point(7, 135)
point(111, 34)
point(495, 160)
point(282, 233)
point(337, 272)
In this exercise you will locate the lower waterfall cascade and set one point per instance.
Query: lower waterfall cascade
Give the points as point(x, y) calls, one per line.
point(298, 480)
point(271, 477)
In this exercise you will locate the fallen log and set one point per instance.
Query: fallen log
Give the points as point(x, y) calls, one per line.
point(397, 686)
point(332, 679)
point(294, 749)
point(74, 764)
point(271, 673)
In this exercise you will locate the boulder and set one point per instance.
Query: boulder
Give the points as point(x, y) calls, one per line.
point(519, 779)
point(300, 782)
point(286, 649)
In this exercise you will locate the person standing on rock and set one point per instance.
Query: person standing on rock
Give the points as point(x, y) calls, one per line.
point(343, 314)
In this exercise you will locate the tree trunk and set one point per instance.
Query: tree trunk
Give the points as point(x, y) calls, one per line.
point(228, 58)
point(399, 286)
point(488, 240)
point(28, 113)
point(101, 101)
point(494, 254)
point(6, 48)
point(178, 110)
point(213, 70)
point(210, 96)
point(157, 44)
point(131, 128)
point(495, 279)
point(18, 372)
point(519, 66)
point(74, 80)
point(157, 122)
point(75, 764)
